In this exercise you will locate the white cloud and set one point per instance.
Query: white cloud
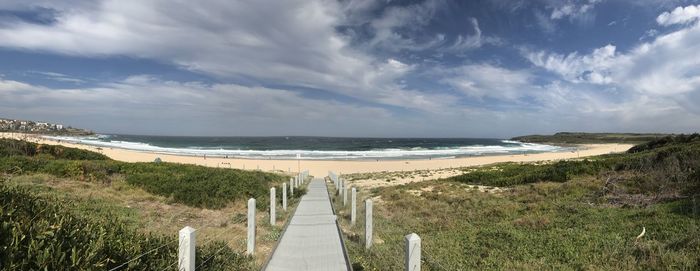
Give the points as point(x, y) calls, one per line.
point(469, 42)
point(485, 80)
point(284, 43)
point(659, 67)
point(592, 68)
point(145, 104)
point(401, 27)
point(58, 77)
point(655, 80)
point(573, 9)
point(680, 15)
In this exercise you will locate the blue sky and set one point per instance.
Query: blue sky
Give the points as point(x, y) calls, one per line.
point(427, 68)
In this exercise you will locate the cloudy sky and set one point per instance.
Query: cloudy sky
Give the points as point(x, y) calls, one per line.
point(426, 68)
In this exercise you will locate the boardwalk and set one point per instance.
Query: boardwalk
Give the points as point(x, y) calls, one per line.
point(311, 241)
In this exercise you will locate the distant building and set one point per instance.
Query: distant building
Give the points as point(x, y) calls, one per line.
point(59, 127)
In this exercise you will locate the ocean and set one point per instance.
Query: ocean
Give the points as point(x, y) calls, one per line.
point(314, 148)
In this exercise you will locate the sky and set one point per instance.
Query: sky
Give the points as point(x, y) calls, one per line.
point(384, 68)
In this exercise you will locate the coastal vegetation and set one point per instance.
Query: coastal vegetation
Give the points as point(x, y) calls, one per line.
point(638, 210)
point(71, 209)
point(589, 138)
point(45, 233)
point(192, 185)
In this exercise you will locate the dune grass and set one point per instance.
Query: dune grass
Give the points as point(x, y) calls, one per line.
point(575, 215)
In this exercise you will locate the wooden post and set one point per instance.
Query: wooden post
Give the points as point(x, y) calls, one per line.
point(291, 187)
point(185, 253)
point(368, 223)
point(284, 196)
point(340, 188)
point(412, 260)
point(353, 214)
point(345, 196)
point(251, 227)
point(273, 197)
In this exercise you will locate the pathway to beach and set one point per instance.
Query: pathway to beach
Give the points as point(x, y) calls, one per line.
point(311, 240)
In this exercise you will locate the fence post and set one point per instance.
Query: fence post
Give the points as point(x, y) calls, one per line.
point(345, 196)
point(284, 196)
point(339, 188)
point(273, 213)
point(412, 242)
point(353, 214)
point(251, 226)
point(185, 253)
point(368, 223)
point(291, 187)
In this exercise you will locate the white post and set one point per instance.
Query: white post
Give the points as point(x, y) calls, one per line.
point(291, 187)
point(273, 215)
point(185, 253)
point(345, 196)
point(368, 223)
point(341, 187)
point(412, 242)
point(353, 214)
point(251, 226)
point(284, 196)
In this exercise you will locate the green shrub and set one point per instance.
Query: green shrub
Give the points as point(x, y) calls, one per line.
point(665, 141)
point(13, 147)
point(668, 163)
point(192, 185)
point(509, 174)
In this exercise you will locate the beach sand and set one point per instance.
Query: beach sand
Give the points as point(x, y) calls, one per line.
point(321, 168)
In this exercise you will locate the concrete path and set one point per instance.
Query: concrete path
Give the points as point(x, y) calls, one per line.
point(311, 241)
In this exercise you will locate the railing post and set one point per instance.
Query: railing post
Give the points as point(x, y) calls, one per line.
point(284, 196)
point(273, 198)
point(185, 253)
point(412, 252)
point(251, 227)
point(368, 223)
point(353, 213)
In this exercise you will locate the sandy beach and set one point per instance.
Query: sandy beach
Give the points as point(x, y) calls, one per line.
point(321, 167)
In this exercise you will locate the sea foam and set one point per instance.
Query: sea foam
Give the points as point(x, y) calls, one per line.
point(509, 147)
